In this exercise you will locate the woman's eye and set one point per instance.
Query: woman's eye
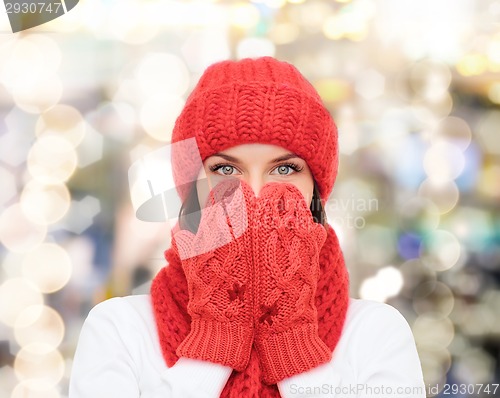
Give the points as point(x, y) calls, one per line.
point(225, 168)
point(286, 169)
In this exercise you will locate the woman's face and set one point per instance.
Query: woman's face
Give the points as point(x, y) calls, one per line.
point(256, 164)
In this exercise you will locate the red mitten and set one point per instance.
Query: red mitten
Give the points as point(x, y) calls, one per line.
point(218, 269)
point(287, 243)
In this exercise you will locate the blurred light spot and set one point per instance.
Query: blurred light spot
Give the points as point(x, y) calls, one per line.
point(48, 266)
point(45, 204)
point(116, 120)
point(472, 226)
point(158, 115)
point(91, 148)
point(204, 47)
point(9, 188)
point(349, 140)
point(409, 245)
point(349, 22)
point(414, 273)
point(494, 48)
point(160, 73)
point(494, 93)
point(51, 53)
point(459, 344)
point(433, 331)
point(16, 142)
point(472, 64)
point(474, 365)
point(24, 64)
point(81, 250)
point(284, 33)
point(18, 233)
point(17, 294)
point(181, 15)
point(386, 283)
point(454, 130)
point(62, 120)
point(52, 159)
point(39, 324)
point(418, 214)
point(81, 214)
point(255, 47)
point(467, 284)
point(310, 16)
point(433, 296)
point(333, 90)
point(488, 179)
point(491, 301)
point(430, 79)
point(467, 180)
point(476, 320)
point(40, 95)
point(422, 112)
point(443, 194)
point(244, 15)
point(430, 112)
point(435, 363)
point(332, 27)
point(35, 388)
point(376, 245)
point(275, 3)
point(392, 129)
point(441, 250)
point(487, 132)
point(370, 84)
point(405, 161)
point(132, 22)
point(443, 162)
point(36, 362)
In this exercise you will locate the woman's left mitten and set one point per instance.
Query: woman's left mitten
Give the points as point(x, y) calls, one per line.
point(286, 247)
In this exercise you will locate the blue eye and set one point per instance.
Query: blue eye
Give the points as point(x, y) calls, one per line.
point(222, 166)
point(292, 166)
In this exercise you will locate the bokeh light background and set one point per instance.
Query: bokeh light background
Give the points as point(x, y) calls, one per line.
point(413, 85)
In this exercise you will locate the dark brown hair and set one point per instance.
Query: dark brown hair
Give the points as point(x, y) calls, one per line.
point(189, 213)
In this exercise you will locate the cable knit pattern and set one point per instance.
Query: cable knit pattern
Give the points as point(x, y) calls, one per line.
point(218, 270)
point(170, 297)
point(286, 246)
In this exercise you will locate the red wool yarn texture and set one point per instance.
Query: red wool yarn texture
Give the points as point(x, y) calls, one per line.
point(255, 288)
point(217, 263)
point(286, 246)
point(260, 100)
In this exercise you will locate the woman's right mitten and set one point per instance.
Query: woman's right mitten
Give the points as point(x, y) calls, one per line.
point(219, 277)
point(287, 244)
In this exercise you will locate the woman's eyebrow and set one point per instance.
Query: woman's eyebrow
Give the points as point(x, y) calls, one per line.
point(278, 159)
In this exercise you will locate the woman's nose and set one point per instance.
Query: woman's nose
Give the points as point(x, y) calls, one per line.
point(256, 183)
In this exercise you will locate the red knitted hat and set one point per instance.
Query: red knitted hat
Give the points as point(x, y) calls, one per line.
point(255, 100)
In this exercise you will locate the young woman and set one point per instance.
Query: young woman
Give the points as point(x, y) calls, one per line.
point(254, 299)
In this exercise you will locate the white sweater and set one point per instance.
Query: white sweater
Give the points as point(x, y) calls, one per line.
point(118, 355)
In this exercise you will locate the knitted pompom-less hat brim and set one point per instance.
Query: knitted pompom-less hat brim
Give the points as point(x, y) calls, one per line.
point(259, 100)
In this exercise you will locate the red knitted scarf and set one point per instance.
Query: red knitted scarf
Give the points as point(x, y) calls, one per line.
point(169, 297)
